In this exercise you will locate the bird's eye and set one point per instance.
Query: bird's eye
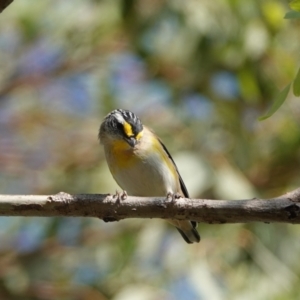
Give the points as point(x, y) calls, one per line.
point(120, 127)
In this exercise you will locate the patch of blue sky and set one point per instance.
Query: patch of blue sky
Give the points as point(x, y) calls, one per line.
point(10, 40)
point(225, 85)
point(126, 69)
point(31, 235)
point(88, 273)
point(42, 57)
point(69, 94)
point(131, 88)
point(181, 288)
point(69, 231)
point(148, 95)
point(198, 106)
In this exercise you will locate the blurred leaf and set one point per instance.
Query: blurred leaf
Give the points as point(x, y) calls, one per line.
point(29, 27)
point(296, 84)
point(277, 103)
point(295, 5)
point(249, 86)
point(292, 14)
point(273, 12)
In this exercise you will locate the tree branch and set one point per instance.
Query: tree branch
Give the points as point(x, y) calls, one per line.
point(4, 4)
point(284, 209)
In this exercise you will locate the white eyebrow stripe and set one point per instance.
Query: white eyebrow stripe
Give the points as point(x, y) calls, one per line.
point(119, 117)
point(122, 115)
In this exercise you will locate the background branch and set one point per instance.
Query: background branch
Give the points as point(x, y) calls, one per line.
point(284, 209)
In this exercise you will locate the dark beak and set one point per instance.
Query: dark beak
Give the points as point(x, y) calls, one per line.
point(131, 141)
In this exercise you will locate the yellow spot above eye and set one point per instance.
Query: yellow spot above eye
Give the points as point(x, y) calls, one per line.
point(128, 129)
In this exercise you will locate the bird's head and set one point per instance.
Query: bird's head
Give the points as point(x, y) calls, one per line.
point(121, 126)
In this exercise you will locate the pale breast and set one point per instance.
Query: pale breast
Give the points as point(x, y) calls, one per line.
point(144, 176)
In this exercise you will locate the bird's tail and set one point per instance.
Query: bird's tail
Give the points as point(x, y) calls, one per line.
point(188, 230)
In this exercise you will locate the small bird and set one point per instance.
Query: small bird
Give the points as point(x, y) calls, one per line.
point(141, 164)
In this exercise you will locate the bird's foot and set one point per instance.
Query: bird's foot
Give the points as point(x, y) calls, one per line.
point(120, 196)
point(172, 197)
point(124, 195)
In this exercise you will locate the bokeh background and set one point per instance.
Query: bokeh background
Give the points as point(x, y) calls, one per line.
point(200, 73)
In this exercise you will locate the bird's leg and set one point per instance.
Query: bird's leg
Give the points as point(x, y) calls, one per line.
point(177, 196)
point(117, 195)
point(169, 197)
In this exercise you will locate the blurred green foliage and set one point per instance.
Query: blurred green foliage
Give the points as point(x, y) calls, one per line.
point(200, 73)
point(295, 5)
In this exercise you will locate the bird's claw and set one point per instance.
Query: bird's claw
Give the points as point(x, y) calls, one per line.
point(172, 197)
point(120, 196)
point(124, 195)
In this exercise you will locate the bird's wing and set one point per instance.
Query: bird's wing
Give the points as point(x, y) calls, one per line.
point(182, 185)
point(192, 235)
